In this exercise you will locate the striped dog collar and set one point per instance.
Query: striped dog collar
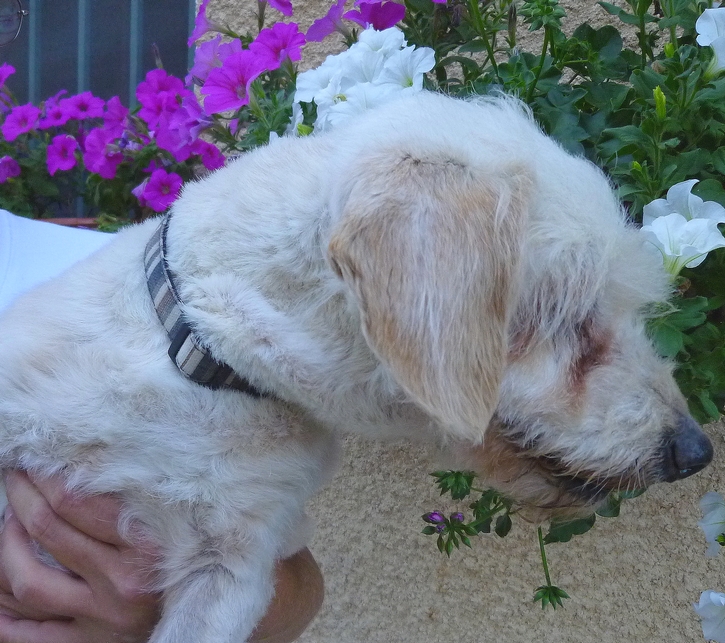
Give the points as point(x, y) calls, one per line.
point(190, 357)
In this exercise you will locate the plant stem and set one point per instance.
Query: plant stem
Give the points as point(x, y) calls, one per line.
point(261, 6)
point(540, 66)
point(475, 11)
point(543, 556)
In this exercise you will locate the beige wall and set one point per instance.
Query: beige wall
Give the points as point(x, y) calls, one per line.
point(632, 579)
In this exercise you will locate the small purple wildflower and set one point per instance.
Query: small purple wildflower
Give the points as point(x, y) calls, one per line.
point(434, 517)
point(9, 168)
point(457, 517)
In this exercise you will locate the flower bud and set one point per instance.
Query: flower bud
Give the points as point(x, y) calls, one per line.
point(458, 517)
point(434, 517)
point(670, 49)
point(512, 25)
point(660, 103)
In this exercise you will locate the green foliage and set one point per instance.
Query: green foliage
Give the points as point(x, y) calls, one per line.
point(457, 483)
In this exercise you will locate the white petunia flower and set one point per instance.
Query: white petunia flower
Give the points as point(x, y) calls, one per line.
point(682, 242)
point(713, 521)
point(711, 609)
point(315, 83)
point(376, 69)
point(710, 27)
point(407, 67)
point(386, 41)
point(681, 200)
point(358, 99)
point(362, 65)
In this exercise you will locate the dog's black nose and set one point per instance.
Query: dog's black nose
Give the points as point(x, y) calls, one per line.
point(688, 451)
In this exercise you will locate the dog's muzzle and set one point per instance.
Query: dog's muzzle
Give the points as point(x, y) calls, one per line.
point(687, 451)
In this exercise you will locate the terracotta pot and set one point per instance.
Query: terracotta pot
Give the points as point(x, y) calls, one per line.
point(75, 222)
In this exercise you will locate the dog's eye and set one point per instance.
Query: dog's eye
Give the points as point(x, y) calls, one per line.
point(592, 349)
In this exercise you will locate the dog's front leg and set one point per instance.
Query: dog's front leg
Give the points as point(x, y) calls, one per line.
point(221, 603)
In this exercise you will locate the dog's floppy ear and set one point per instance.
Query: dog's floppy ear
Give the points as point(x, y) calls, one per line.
point(431, 249)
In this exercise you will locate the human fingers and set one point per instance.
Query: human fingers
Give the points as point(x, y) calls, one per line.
point(13, 630)
point(82, 554)
point(37, 587)
point(10, 546)
point(96, 515)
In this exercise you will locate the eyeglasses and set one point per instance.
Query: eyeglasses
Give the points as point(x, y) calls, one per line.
point(11, 19)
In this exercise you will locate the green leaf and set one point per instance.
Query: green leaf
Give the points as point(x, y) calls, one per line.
point(634, 493)
point(708, 405)
point(562, 532)
point(610, 507)
point(503, 525)
point(668, 341)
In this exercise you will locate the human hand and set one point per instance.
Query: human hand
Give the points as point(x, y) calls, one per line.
point(108, 599)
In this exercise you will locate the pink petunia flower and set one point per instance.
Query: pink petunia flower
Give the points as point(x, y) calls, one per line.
point(98, 156)
point(277, 44)
point(190, 120)
point(227, 87)
point(211, 157)
point(283, 6)
point(206, 58)
point(378, 15)
point(55, 116)
point(5, 103)
point(155, 82)
point(6, 70)
point(202, 25)
point(173, 139)
point(20, 120)
point(332, 21)
point(138, 192)
point(161, 190)
point(210, 55)
point(114, 118)
point(84, 105)
point(159, 94)
point(61, 153)
point(9, 168)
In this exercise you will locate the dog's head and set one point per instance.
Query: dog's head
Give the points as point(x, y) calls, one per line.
point(499, 283)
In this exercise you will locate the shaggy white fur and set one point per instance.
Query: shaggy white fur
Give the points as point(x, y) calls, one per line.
point(433, 269)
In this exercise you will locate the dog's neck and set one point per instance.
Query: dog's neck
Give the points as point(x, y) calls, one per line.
point(259, 288)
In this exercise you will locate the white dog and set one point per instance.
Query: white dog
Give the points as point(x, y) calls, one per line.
point(439, 270)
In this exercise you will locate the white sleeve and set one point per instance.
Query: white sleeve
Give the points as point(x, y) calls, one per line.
point(32, 252)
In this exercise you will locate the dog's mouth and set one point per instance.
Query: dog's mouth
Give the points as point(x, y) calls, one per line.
point(590, 488)
point(544, 483)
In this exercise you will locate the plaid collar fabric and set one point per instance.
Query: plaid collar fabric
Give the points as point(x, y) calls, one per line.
point(191, 358)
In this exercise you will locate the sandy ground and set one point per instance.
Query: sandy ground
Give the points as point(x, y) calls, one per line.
point(631, 579)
